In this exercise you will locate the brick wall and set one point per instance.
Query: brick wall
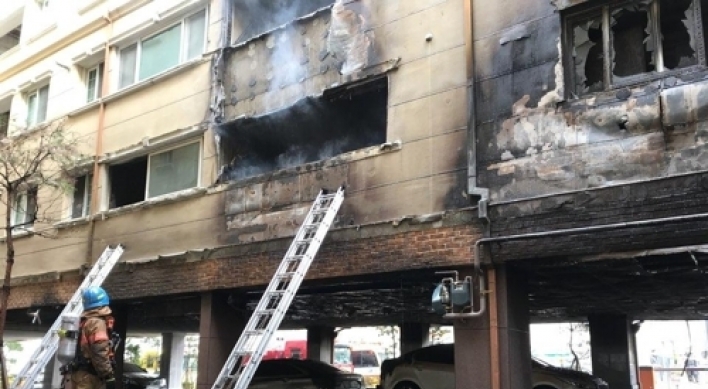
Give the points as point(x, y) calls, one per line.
point(254, 264)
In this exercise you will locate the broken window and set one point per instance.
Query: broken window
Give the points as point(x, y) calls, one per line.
point(615, 44)
point(81, 198)
point(314, 128)
point(24, 209)
point(255, 17)
point(155, 175)
point(128, 182)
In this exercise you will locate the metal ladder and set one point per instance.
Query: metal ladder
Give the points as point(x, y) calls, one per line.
point(248, 352)
point(46, 350)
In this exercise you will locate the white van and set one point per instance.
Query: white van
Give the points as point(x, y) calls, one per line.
point(367, 362)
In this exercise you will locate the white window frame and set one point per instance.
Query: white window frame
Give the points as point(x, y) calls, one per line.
point(86, 211)
point(99, 82)
point(28, 96)
point(182, 47)
point(43, 4)
point(19, 202)
point(184, 144)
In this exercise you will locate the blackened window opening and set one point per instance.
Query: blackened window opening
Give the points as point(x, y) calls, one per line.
point(128, 182)
point(638, 38)
point(255, 17)
point(313, 129)
point(631, 55)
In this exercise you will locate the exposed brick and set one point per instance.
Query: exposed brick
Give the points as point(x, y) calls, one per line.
point(444, 246)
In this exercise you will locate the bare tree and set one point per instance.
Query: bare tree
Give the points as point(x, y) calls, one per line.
point(31, 163)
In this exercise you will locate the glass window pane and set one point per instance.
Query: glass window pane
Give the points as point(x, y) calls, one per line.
point(77, 208)
point(32, 109)
point(196, 25)
point(42, 101)
point(18, 209)
point(174, 170)
point(160, 52)
point(588, 56)
point(128, 58)
point(677, 31)
point(91, 85)
point(632, 42)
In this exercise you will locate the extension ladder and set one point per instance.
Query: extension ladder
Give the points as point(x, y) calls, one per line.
point(248, 352)
point(50, 343)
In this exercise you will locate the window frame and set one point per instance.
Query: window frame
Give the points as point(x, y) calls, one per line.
point(28, 96)
point(178, 146)
point(43, 4)
point(182, 47)
point(611, 82)
point(97, 94)
point(85, 207)
point(23, 197)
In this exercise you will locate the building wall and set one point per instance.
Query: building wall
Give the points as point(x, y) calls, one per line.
point(147, 117)
point(426, 112)
point(423, 174)
point(537, 138)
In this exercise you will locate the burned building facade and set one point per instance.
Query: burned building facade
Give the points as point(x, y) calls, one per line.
point(588, 122)
point(205, 162)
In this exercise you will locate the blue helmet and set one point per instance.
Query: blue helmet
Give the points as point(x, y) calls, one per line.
point(95, 297)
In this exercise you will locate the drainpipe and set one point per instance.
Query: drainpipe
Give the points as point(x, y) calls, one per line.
point(472, 188)
point(95, 182)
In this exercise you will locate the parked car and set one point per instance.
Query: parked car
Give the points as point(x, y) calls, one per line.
point(367, 362)
point(433, 367)
point(135, 377)
point(302, 374)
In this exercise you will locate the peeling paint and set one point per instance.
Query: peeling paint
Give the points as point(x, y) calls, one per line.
point(556, 95)
point(349, 38)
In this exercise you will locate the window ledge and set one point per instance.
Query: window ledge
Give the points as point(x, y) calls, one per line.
point(72, 222)
point(153, 202)
point(85, 108)
point(87, 5)
point(25, 233)
point(43, 32)
point(152, 80)
point(345, 158)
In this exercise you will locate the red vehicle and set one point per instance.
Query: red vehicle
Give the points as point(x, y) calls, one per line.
point(297, 349)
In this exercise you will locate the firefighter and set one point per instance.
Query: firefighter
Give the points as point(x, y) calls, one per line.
point(94, 363)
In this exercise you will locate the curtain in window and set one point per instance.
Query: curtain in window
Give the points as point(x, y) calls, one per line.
point(196, 25)
point(174, 170)
point(42, 104)
point(160, 52)
point(128, 59)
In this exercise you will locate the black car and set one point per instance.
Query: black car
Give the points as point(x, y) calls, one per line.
point(135, 377)
point(304, 374)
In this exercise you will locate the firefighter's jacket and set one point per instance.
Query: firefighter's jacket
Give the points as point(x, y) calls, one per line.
point(94, 343)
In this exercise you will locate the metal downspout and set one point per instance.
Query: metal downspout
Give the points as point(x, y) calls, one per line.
point(95, 181)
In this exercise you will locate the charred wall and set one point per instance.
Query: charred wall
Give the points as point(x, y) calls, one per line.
point(539, 133)
point(359, 79)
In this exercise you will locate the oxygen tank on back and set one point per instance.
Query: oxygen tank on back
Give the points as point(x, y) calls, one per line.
point(68, 338)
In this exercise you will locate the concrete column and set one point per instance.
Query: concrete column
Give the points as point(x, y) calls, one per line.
point(320, 344)
point(172, 359)
point(612, 344)
point(414, 336)
point(220, 326)
point(120, 314)
point(494, 350)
